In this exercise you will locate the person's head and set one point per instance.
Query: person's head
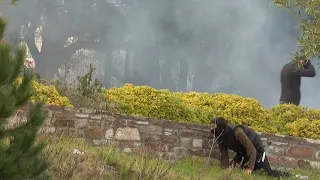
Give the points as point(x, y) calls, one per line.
point(218, 125)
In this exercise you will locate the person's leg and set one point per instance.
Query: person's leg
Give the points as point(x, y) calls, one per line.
point(236, 161)
point(264, 164)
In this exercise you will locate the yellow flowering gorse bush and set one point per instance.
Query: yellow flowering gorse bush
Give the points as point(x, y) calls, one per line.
point(196, 107)
point(149, 102)
point(47, 94)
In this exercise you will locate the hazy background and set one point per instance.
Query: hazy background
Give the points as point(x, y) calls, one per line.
point(182, 45)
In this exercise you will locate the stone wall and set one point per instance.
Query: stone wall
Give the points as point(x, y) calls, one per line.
point(169, 138)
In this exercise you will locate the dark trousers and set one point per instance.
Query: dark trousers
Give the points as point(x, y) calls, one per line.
point(259, 165)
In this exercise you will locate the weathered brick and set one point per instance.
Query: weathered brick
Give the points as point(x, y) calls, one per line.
point(206, 143)
point(186, 142)
point(300, 152)
point(81, 123)
point(318, 155)
point(151, 129)
point(169, 140)
point(196, 152)
point(142, 122)
point(197, 143)
point(314, 141)
point(150, 137)
point(109, 134)
point(109, 118)
point(212, 153)
point(136, 144)
point(206, 135)
point(282, 161)
point(84, 110)
point(94, 132)
point(94, 123)
point(277, 149)
point(180, 151)
point(100, 112)
point(186, 134)
point(54, 108)
point(160, 147)
point(80, 115)
point(315, 164)
point(170, 132)
point(96, 117)
point(303, 164)
point(64, 123)
point(127, 133)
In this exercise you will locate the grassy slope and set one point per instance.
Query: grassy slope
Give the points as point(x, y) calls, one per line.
point(108, 163)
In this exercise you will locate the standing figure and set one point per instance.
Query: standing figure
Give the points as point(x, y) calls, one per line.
point(291, 80)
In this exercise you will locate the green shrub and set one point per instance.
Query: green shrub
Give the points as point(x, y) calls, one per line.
point(284, 114)
point(149, 102)
point(46, 94)
point(189, 107)
point(233, 107)
point(196, 107)
point(304, 127)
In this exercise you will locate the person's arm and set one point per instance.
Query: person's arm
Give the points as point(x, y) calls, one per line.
point(250, 149)
point(224, 156)
point(307, 71)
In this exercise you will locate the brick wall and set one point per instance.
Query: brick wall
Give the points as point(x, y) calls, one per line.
point(170, 139)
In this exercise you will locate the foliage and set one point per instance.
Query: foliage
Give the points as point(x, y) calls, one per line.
point(233, 107)
point(87, 92)
point(189, 107)
point(304, 127)
point(309, 25)
point(149, 102)
point(47, 94)
point(196, 107)
point(20, 156)
point(105, 162)
point(87, 85)
point(296, 120)
point(77, 159)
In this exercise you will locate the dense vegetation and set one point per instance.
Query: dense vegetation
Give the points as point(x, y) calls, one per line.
point(77, 159)
point(20, 156)
point(307, 15)
point(191, 107)
point(202, 107)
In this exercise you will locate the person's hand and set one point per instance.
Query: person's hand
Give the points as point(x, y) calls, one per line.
point(249, 171)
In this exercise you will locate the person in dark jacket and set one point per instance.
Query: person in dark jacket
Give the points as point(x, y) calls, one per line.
point(246, 143)
point(290, 79)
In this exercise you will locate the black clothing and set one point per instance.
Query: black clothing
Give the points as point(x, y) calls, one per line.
point(264, 165)
point(243, 141)
point(290, 79)
point(249, 148)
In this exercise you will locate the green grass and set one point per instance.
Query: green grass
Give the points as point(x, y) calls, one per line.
point(109, 163)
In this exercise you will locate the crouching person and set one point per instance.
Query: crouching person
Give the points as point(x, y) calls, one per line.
point(246, 143)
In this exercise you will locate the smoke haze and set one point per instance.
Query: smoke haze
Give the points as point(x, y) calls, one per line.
point(182, 45)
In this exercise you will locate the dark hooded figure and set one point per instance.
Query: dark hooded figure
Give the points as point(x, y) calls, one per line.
point(290, 79)
point(246, 143)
